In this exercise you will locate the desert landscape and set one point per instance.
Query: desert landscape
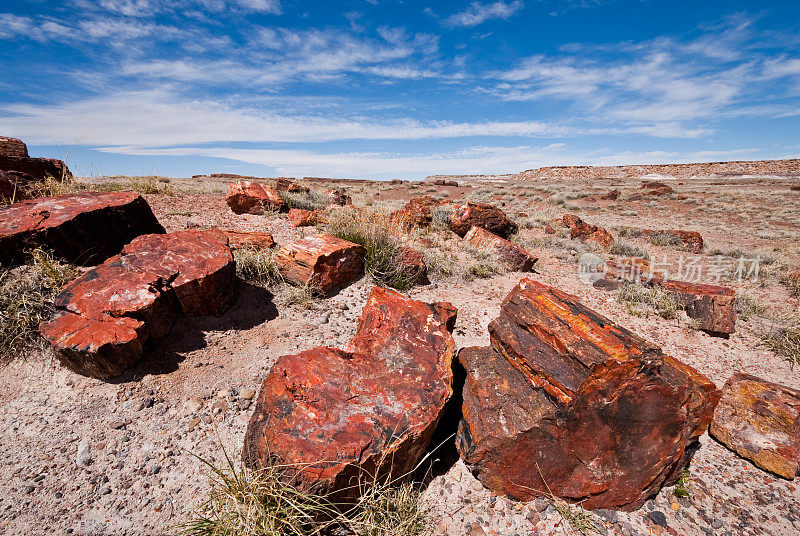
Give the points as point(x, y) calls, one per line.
point(570, 350)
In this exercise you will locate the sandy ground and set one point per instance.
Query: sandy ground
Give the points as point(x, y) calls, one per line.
point(82, 456)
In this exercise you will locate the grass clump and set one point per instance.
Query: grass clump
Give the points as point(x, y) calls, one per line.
point(152, 185)
point(305, 200)
point(440, 217)
point(26, 299)
point(747, 306)
point(635, 296)
point(623, 249)
point(665, 239)
point(257, 267)
point(683, 487)
point(784, 338)
point(578, 519)
point(382, 236)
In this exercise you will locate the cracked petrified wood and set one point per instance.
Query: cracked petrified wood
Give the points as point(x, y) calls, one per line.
point(83, 228)
point(760, 421)
point(568, 402)
point(342, 415)
point(482, 215)
point(106, 315)
point(322, 262)
point(245, 197)
point(515, 258)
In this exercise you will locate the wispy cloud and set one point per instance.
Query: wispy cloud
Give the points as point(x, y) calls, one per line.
point(478, 13)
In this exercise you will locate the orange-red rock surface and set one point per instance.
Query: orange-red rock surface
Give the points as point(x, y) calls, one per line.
point(515, 258)
point(321, 261)
point(482, 215)
point(245, 197)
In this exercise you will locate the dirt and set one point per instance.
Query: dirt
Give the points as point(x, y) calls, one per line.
point(147, 430)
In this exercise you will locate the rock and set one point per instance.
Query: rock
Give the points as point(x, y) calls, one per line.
point(565, 400)
point(38, 169)
point(338, 197)
point(248, 239)
point(691, 240)
point(658, 518)
point(245, 197)
point(302, 218)
point(442, 182)
point(84, 228)
point(13, 147)
point(369, 410)
point(516, 258)
point(83, 458)
point(194, 404)
point(286, 184)
point(613, 194)
point(760, 421)
point(16, 186)
point(580, 230)
point(417, 212)
point(105, 316)
point(247, 394)
point(482, 215)
point(412, 264)
point(321, 261)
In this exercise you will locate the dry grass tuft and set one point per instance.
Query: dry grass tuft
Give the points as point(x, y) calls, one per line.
point(256, 266)
point(784, 337)
point(305, 200)
point(633, 296)
point(26, 300)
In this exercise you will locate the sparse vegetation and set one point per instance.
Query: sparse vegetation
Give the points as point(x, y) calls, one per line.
point(635, 295)
point(683, 487)
point(747, 306)
point(664, 239)
point(26, 300)
point(577, 518)
point(440, 216)
point(256, 266)
point(305, 200)
point(623, 249)
point(784, 337)
point(301, 296)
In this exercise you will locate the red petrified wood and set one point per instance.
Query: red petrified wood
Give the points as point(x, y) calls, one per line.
point(338, 197)
point(321, 261)
point(287, 184)
point(691, 240)
point(567, 401)
point(299, 217)
point(249, 239)
point(760, 421)
point(83, 228)
point(482, 215)
point(515, 257)
point(370, 410)
point(106, 315)
point(245, 197)
point(13, 147)
point(417, 212)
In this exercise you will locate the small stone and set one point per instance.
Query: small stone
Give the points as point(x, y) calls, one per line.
point(193, 423)
point(223, 393)
point(84, 456)
point(675, 506)
point(243, 403)
point(717, 524)
point(658, 517)
point(104, 490)
point(155, 469)
point(194, 404)
point(116, 425)
point(247, 394)
point(541, 504)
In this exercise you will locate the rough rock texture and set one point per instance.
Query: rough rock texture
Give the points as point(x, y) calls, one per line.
point(760, 421)
point(13, 147)
point(38, 168)
point(83, 228)
point(321, 261)
point(565, 400)
point(443, 182)
point(515, 258)
point(483, 215)
point(249, 239)
point(107, 314)
point(365, 411)
point(691, 240)
point(302, 218)
point(245, 197)
point(613, 194)
point(16, 186)
point(417, 212)
point(287, 184)
point(338, 197)
point(580, 230)
point(413, 265)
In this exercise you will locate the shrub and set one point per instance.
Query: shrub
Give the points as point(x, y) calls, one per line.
point(747, 306)
point(305, 200)
point(151, 185)
point(256, 266)
point(665, 239)
point(633, 295)
point(784, 337)
point(440, 217)
point(381, 235)
point(26, 300)
point(624, 249)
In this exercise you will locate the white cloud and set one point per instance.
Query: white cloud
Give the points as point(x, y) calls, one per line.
point(478, 13)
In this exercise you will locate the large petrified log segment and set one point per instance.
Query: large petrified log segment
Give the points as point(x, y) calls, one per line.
point(245, 197)
point(106, 315)
point(83, 228)
point(321, 261)
point(482, 215)
point(565, 400)
point(516, 258)
point(369, 410)
point(16, 186)
point(760, 421)
point(300, 217)
point(417, 213)
point(13, 147)
point(691, 240)
point(249, 239)
point(39, 168)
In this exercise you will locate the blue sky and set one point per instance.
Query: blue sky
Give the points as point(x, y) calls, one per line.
point(384, 89)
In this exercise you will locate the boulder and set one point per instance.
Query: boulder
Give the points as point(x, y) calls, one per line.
point(13, 147)
point(248, 239)
point(610, 196)
point(580, 230)
point(338, 197)
point(417, 212)
point(288, 185)
point(105, 316)
point(482, 215)
point(760, 421)
point(83, 228)
point(442, 182)
point(515, 258)
point(301, 218)
point(38, 168)
point(413, 266)
point(16, 186)
point(245, 197)
point(346, 416)
point(691, 240)
point(566, 401)
point(321, 261)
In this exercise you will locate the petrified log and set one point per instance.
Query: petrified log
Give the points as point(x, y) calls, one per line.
point(245, 197)
point(83, 228)
point(691, 240)
point(321, 261)
point(299, 217)
point(39, 168)
point(16, 186)
point(13, 147)
point(482, 215)
point(412, 265)
point(610, 196)
point(417, 212)
point(106, 315)
point(516, 258)
point(348, 416)
point(249, 239)
point(288, 184)
point(338, 197)
point(568, 402)
point(760, 421)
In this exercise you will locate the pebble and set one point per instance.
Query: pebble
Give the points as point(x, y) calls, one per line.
point(658, 517)
point(247, 394)
point(194, 404)
point(105, 490)
point(84, 456)
point(193, 423)
point(541, 504)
